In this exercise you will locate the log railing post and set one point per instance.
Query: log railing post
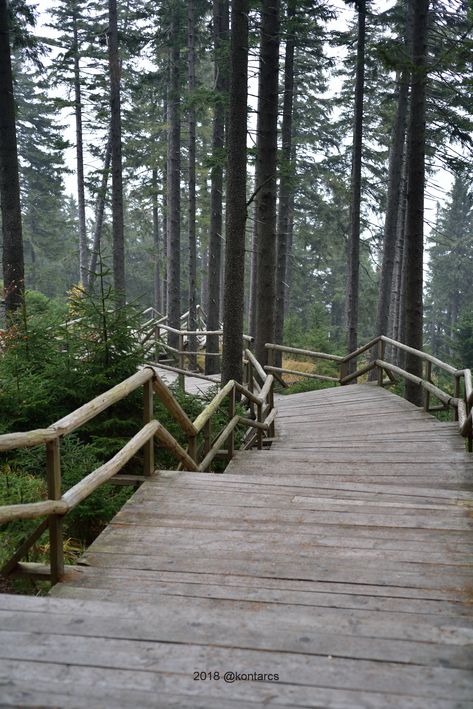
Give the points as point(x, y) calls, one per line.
point(259, 431)
point(181, 377)
point(148, 415)
point(381, 349)
point(343, 372)
point(457, 395)
point(231, 414)
point(250, 387)
point(274, 358)
point(157, 344)
point(55, 522)
point(192, 447)
point(428, 378)
point(271, 402)
point(207, 437)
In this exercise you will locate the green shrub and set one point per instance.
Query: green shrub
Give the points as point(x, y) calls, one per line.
point(51, 365)
point(18, 487)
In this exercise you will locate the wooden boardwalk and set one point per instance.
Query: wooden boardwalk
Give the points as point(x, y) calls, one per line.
point(338, 560)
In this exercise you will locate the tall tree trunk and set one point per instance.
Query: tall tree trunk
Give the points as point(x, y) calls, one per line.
point(174, 186)
point(402, 295)
point(83, 255)
point(415, 196)
point(393, 204)
point(13, 264)
point(157, 301)
point(100, 200)
point(220, 29)
point(204, 277)
point(236, 196)
point(99, 212)
point(253, 266)
point(290, 244)
point(395, 308)
point(165, 223)
point(222, 283)
point(286, 181)
point(118, 235)
point(355, 206)
point(267, 158)
point(192, 319)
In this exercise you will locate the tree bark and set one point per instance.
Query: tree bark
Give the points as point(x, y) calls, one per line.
point(118, 235)
point(286, 181)
point(174, 185)
point(83, 251)
point(191, 214)
point(290, 243)
point(393, 204)
point(13, 264)
point(355, 206)
point(415, 196)
point(100, 212)
point(397, 303)
point(220, 28)
point(165, 223)
point(267, 159)
point(236, 196)
point(253, 266)
point(157, 301)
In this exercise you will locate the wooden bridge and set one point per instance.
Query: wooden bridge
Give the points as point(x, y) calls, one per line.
point(331, 570)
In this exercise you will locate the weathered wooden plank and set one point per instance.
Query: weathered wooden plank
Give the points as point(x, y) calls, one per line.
point(332, 590)
point(312, 500)
point(370, 573)
point(98, 682)
point(150, 585)
point(296, 668)
point(294, 484)
point(230, 624)
point(336, 493)
point(135, 653)
point(440, 549)
point(344, 515)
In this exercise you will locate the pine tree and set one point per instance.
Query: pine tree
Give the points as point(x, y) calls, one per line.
point(286, 184)
point(415, 197)
point(220, 38)
point(174, 179)
point(265, 210)
point(13, 265)
point(116, 150)
point(355, 203)
point(236, 195)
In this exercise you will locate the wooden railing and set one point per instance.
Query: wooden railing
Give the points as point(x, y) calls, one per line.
point(460, 402)
point(193, 457)
point(181, 357)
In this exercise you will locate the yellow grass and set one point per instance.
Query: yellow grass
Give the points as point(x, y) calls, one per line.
point(309, 366)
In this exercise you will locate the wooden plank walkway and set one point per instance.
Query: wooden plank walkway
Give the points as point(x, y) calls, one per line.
point(338, 560)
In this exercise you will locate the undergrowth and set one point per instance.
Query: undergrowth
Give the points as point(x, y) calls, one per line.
point(50, 364)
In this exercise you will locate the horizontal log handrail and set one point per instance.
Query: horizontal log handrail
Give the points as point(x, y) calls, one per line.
point(298, 350)
point(425, 356)
point(428, 386)
point(32, 510)
point(97, 477)
point(309, 375)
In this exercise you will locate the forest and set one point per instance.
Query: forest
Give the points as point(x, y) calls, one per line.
point(271, 165)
